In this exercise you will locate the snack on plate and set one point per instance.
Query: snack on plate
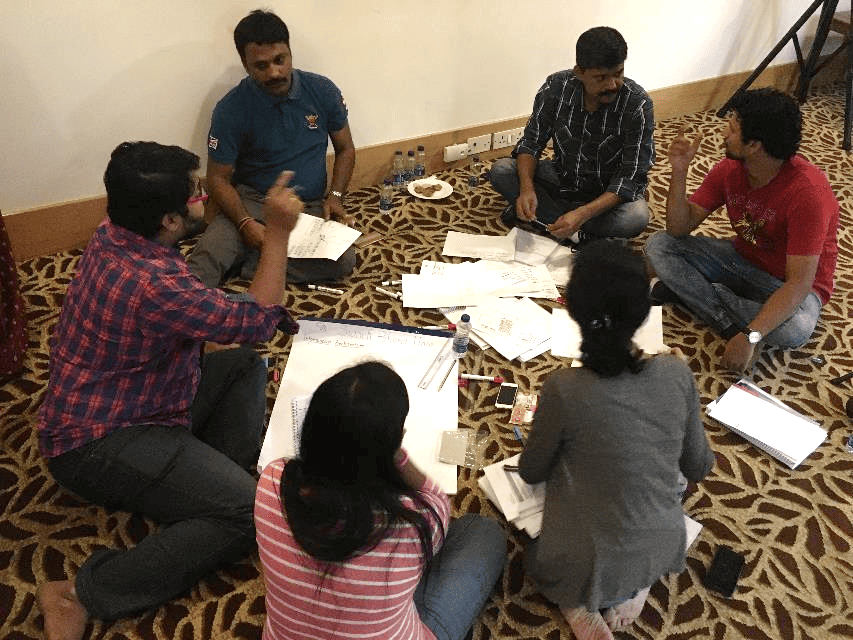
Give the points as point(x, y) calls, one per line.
point(427, 190)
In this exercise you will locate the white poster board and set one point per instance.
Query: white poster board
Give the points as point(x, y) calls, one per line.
point(324, 347)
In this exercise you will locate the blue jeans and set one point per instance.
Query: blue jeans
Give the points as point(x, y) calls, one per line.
point(220, 248)
point(188, 481)
point(625, 220)
point(455, 587)
point(725, 289)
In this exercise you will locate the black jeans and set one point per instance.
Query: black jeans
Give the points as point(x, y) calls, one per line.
point(195, 484)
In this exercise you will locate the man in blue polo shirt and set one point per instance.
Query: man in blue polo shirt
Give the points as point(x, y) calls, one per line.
point(277, 118)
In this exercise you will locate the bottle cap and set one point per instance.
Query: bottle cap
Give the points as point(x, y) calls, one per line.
point(420, 147)
point(465, 318)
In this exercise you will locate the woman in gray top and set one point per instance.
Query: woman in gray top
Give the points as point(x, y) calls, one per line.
point(609, 439)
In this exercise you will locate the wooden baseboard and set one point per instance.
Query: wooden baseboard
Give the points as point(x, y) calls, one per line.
point(47, 230)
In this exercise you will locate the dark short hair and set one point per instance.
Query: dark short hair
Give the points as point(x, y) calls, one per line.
point(608, 296)
point(771, 117)
point(600, 48)
point(260, 27)
point(145, 181)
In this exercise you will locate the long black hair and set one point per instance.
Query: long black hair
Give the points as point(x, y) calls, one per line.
point(342, 493)
point(608, 296)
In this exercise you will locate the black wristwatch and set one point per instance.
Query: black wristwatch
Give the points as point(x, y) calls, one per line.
point(752, 335)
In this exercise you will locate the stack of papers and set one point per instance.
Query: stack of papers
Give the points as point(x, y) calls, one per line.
point(769, 424)
point(523, 504)
point(496, 292)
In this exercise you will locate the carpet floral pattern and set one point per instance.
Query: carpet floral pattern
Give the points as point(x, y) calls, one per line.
point(794, 527)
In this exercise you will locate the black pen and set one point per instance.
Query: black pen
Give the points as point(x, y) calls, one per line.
point(510, 467)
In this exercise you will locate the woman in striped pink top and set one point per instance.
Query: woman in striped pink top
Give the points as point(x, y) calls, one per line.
point(354, 539)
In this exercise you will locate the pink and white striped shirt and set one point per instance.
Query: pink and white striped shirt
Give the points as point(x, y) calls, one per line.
point(367, 597)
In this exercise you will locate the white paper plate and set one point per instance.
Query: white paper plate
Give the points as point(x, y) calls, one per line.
point(445, 190)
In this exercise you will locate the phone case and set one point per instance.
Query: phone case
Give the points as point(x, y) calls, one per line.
point(725, 571)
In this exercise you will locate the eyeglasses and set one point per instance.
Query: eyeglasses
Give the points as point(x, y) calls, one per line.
point(201, 194)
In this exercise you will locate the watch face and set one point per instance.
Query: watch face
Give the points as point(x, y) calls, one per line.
point(754, 337)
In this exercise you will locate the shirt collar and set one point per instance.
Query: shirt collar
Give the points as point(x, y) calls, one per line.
point(294, 94)
point(133, 242)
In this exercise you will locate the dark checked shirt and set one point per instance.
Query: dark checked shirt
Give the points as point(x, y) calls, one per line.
point(126, 349)
point(611, 149)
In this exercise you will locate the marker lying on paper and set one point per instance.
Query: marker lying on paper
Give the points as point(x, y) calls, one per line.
point(471, 376)
point(393, 294)
point(510, 467)
point(385, 283)
point(450, 326)
point(317, 287)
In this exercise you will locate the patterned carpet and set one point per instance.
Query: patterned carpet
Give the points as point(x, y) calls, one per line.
point(795, 527)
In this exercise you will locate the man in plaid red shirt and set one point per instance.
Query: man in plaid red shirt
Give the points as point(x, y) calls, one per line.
point(134, 417)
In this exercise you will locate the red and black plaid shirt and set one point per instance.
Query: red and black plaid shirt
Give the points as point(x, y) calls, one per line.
point(126, 348)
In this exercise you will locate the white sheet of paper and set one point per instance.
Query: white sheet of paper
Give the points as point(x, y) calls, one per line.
point(511, 326)
point(472, 245)
point(534, 250)
point(313, 237)
point(566, 334)
point(324, 347)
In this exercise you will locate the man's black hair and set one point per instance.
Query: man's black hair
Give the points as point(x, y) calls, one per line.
point(145, 181)
point(772, 118)
point(261, 27)
point(600, 48)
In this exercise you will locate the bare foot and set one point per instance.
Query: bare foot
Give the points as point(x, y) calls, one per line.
point(587, 625)
point(623, 614)
point(64, 615)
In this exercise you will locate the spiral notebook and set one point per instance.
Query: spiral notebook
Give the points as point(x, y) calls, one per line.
point(768, 423)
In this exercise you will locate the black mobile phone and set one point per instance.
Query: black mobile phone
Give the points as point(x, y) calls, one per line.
point(725, 571)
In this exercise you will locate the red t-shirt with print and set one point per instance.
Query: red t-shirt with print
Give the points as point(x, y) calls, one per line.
point(795, 214)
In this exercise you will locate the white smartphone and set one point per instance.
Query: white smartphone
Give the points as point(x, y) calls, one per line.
point(506, 395)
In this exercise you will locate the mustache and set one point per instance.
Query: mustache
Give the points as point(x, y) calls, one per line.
point(275, 83)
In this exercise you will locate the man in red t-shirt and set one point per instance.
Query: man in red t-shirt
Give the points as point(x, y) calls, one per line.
point(768, 283)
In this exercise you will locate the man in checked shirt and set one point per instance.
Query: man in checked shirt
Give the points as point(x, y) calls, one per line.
point(134, 418)
point(602, 125)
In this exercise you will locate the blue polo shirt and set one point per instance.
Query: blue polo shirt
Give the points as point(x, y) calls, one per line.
point(261, 135)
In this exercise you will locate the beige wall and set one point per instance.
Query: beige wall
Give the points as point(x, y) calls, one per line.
point(83, 75)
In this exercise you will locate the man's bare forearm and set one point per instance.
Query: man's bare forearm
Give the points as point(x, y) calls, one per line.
point(227, 198)
point(679, 213)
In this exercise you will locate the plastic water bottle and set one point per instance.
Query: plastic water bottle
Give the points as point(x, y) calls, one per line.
point(397, 170)
point(461, 337)
point(477, 168)
point(420, 162)
point(386, 196)
point(409, 168)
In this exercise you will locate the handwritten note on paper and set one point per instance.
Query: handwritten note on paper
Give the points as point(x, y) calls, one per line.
point(324, 347)
point(534, 249)
point(472, 245)
point(313, 237)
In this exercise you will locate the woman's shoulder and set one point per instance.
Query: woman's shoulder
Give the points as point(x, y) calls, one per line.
point(670, 366)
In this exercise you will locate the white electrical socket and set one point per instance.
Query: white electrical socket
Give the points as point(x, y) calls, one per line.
point(455, 152)
point(501, 139)
point(479, 144)
point(515, 135)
